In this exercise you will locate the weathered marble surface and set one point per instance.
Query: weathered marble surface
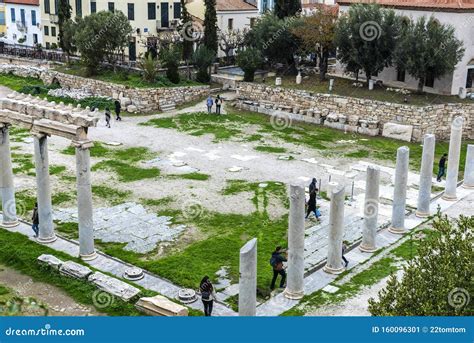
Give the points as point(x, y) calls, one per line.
point(113, 286)
point(50, 260)
point(160, 306)
point(75, 270)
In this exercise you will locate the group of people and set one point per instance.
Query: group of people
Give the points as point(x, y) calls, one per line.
point(210, 102)
point(108, 114)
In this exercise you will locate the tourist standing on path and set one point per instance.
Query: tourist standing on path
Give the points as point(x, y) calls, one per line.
point(218, 104)
point(207, 295)
point(344, 248)
point(277, 263)
point(107, 117)
point(118, 107)
point(312, 200)
point(442, 167)
point(35, 220)
point(209, 103)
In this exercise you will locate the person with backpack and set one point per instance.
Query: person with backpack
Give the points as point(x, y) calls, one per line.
point(276, 261)
point(209, 103)
point(313, 190)
point(208, 295)
point(218, 104)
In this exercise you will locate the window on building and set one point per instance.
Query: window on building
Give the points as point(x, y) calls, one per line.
point(2, 18)
point(79, 8)
point(429, 81)
point(56, 6)
point(12, 14)
point(33, 17)
point(401, 74)
point(177, 10)
point(48, 45)
point(111, 6)
point(131, 11)
point(151, 10)
point(470, 78)
point(165, 19)
point(35, 38)
point(22, 16)
point(53, 31)
point(93, 6)
point(230, 24)
point(47, 6)
point(46, 30)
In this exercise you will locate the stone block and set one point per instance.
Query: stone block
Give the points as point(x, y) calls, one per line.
point(113, 286)
point(398, 131)
point(50, 260)
point(75, 270)
point(161, 306)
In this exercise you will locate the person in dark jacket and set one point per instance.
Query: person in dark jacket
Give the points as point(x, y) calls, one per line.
point(208, 295)
point(218, 103)
point(442, 167)
point(118, 107)
point(313, 190)
point(107, 117)
point(277, 264)
point(35, 220)
point(344, 248)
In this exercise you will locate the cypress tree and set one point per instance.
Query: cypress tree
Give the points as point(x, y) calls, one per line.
point(210, 26)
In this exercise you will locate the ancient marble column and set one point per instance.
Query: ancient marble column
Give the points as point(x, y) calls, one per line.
point(84, 201)
point(453, 159)
point(426, 176)
point(248, 279)
point(295, 283)
point(6, 180)
point(469, 169)
point(336, 231)
point(400, 191)
point(45, 211)
point(371, 209)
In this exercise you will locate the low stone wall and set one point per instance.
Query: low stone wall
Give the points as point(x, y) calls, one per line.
point(354, 114)
point(133, 99)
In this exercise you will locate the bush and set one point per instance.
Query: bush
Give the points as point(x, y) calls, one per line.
point(203, 58)
point(170, 58)
point(149, 67)
point(249, 60)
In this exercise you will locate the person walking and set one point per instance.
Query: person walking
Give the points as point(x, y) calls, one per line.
point(209, 103)
point(208, 295)
point(442, 167)
point(276, 262)
point(218, 104)
point(107, 117)
point(313, 190)
point(35, 220)
point(118, 107)
point(344, 248)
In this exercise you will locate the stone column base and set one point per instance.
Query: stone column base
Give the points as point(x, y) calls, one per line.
point(397, 230)
point(89, 257)
point(293, 295)
point(330, 270)
point(9, 224)
point(467, 186)
point(367, 249)
point(449, 197)
point(47, 240)
point(422, 215)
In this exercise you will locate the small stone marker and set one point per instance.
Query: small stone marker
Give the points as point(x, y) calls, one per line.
point(133, 274)
point(187, 295)
point(50, 260)
point(161, 306)
point(75, 270)
point(278, 81)
point(397, 131)
point(113, 286)
point(330, 289)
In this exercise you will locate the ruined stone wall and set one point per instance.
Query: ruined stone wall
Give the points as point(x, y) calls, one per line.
point(341, 111)
point(134, 99)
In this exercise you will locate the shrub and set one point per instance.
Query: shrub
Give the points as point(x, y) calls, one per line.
point(203, 58)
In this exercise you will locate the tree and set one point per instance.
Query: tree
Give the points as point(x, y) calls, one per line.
point(316, 33)
point(65, 40)
point(230, 41)
point(439, 280)
point(187, 51)
point(149, 67)
point(102, 36)
point(287, 8)
point(202, 59)
point(428, 48)
point(170, 57)
point(273, 38)
point(366, 38)
point(210, 26)
point(249, 61)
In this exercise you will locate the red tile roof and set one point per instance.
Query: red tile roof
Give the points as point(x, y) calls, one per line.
point(23, 2)
point(333, 8)
point(449, 5)
point(234, 5)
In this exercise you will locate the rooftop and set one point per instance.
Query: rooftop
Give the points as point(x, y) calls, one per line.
point(234, 5)
point(449, 5)
point(23, 2)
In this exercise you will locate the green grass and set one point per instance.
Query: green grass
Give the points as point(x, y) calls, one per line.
point(272, 149)
point(344, 87)
point(23, 164)
point(157, 202)
point(69, 230)
point(4, 290)
point(127, 172)
point(56, 169)
point(111, 195)
point(191, 176)
point(25, 202)
point(18, 134)
point(62, 197)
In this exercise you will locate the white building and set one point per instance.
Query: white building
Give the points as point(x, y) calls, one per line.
point(457, 13)
point(23, 22)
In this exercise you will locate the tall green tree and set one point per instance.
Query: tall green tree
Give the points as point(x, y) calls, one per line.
point(170, 57)
point(287, 8)
point(187, 51)
point(439, 281)
point(64, 16)
point(202, 59)
point(210, 26)
point(249, 61)
point(366, 37)
point(428, 48)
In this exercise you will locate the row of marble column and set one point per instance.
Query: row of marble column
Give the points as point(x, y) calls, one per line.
point(334, 265)
point(45, 213)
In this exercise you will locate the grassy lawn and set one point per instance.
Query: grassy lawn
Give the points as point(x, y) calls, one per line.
point(344, 87)
point(131, 79)
point(330, 143)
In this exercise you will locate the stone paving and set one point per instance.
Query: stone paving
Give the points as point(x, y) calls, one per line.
point(127, 223)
